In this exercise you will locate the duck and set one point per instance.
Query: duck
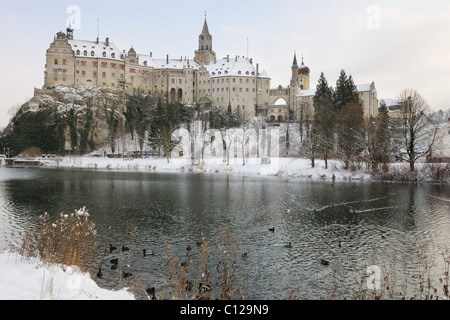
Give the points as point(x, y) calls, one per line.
point(100, 274)
point(125, 249)
point(112, 248)
point(115, 261)
point(245, 254)
point(146, 254)
point(384, 236)
point(324, 262)
point(188, 285)
point(272, 229)
point(200, 243)
point(126, 274)
point(188, 248)
point(289, 245)
point(184, 264)
point(288, 210)
point(114, 267)
point(204, 287)
point(151, 291)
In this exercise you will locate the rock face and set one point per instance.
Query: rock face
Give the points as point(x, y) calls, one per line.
point(103, 102)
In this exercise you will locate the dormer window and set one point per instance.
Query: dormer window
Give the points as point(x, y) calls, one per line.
point(78, 52)
point(247, 73)
point(85, 53)
point(92, 53)
point(239, 72)
point(104, 54)
point(145, 63)
point(113, 55)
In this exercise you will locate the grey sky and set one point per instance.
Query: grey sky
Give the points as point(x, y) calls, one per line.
point(398, 44)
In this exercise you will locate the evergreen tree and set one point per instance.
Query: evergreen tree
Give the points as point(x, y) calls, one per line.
point(346, 91)
point(324, 118)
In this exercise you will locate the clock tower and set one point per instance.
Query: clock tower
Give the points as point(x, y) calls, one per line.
point(205, 55)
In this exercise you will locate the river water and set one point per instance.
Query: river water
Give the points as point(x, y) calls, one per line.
point(403, 229)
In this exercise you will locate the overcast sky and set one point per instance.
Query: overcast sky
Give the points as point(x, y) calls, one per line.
point(398, 44)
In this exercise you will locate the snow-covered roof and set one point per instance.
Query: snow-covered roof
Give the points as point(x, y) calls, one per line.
point(92, 49)
point(312, 92)
point(238, 67)
point(391, 102)
point(146, 60)
point(363, 87)
point(307, 93)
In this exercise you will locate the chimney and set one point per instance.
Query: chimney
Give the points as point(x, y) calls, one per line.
point(98, 40)
point(251, 60)
point(257, 69)
point(167, 59)
point(228, 58)
point(151, 54)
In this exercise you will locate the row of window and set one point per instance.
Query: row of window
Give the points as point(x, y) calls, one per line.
point(224, 81)
point(104, 54)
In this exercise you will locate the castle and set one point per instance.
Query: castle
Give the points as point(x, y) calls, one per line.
point(235, 82)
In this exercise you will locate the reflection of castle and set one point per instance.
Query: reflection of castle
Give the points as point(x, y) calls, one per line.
point(231, 81)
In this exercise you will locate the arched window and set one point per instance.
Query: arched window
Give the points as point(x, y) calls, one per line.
point(92, 53)
point(85, 53)
point(78, 52)
point(113, 55)
point(104, 54)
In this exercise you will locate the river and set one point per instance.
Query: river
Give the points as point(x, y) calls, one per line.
point(400, 228)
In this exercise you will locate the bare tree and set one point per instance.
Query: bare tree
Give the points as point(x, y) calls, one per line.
point(350, 133)
point(413, 129)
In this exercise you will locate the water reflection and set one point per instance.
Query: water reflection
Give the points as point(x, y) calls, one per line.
point(350, 224)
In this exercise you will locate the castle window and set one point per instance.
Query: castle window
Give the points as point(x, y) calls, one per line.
point(122, 57)
point(104, 75)
point(64, 62)
point(145, 63)
point(104, 54)
point(85, 52)
point(56, 61)
point(78, 52)
point(83, 74)
point(92, 53)
point(113, 55)
point(94, 75)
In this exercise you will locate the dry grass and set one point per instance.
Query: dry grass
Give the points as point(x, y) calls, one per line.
point(70, 241)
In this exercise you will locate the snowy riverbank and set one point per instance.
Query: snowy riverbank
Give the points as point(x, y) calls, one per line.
point(29, 279)
point(284, 167)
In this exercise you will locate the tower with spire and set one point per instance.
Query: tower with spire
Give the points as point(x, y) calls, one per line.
point(205, 54)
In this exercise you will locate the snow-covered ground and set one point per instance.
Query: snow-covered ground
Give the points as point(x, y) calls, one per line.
point(284, 167)
point(29, 279)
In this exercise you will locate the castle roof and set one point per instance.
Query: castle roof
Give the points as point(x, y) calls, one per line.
point(238, 67)
point(95, 50)
point(312, 92)
point(179, 64)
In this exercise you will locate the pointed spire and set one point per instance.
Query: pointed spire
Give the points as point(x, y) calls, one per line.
point(205, 27)
point(294, 64)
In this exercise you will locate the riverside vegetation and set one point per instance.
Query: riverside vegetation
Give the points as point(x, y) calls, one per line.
point(70, 241)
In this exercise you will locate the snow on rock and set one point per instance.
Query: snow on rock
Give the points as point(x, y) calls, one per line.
point(29, 279)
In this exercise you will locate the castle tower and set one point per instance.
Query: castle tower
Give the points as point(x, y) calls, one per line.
point(294, 68)
point(205, 55)
point(69, 32)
